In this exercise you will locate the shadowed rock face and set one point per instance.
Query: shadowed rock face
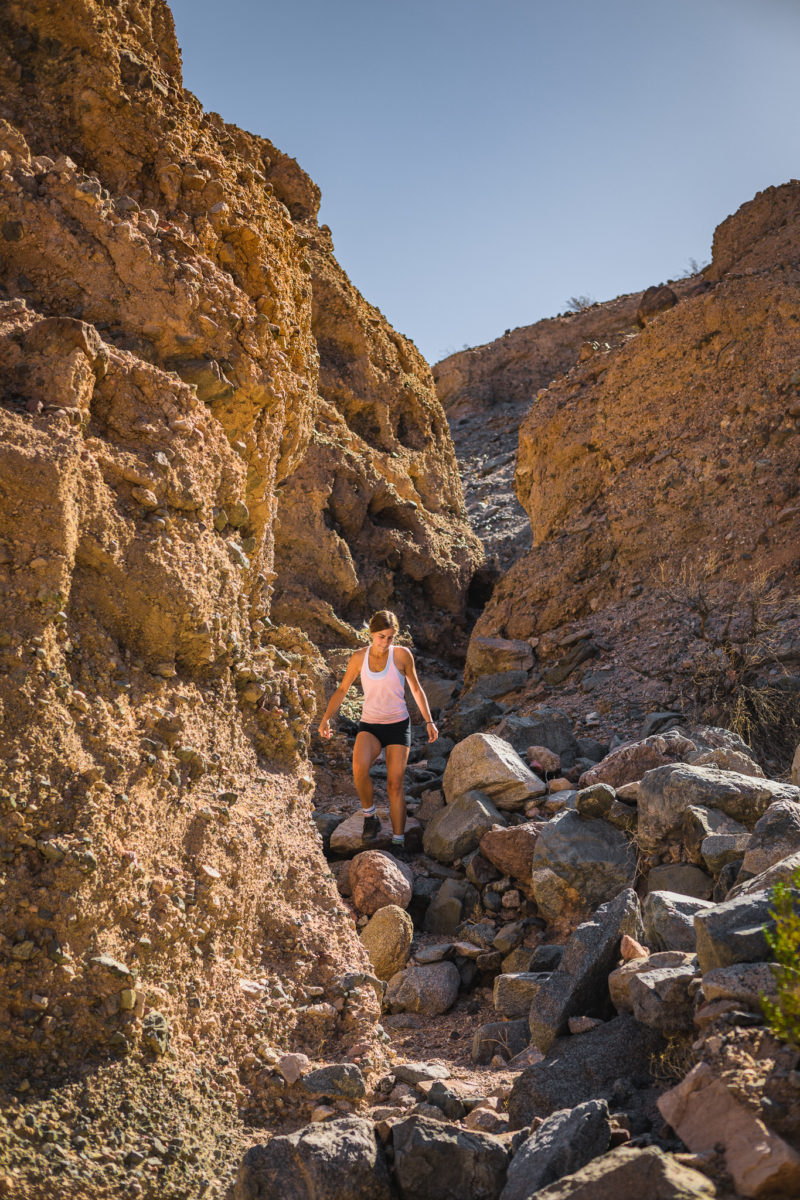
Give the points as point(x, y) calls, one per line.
point(185, 371)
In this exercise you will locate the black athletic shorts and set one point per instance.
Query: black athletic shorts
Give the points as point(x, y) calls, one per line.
point(395, 733)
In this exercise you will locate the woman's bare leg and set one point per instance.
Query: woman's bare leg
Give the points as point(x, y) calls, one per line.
point(396, 759)
point(365, 751)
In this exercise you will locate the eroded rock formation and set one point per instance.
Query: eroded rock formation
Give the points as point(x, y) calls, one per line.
point(164, 289)
point(659, 475)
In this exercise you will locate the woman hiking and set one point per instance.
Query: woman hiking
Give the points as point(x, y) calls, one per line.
point(385, 722)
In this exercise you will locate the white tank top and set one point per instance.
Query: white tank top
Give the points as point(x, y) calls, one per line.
point(384, 692)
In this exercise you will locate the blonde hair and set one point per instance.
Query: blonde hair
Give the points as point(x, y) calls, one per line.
point(383, 620)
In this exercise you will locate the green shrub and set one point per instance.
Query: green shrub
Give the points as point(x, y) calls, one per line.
point(783, 1014)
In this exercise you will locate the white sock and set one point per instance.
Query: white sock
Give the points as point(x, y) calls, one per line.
point(398, 839)
point(369, 812)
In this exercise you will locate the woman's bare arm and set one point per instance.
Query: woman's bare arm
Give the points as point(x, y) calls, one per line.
point(405, 662)
point(336, 700)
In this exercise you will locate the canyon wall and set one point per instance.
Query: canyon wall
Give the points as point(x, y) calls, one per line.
point(660, 477)
point(211, 447)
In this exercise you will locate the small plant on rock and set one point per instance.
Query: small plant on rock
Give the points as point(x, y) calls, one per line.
point(783, 1014)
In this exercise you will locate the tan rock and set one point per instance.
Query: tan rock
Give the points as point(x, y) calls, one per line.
point(628, 763)
point(511, 850)
point(542, 760)
point(704, 1114)
point(387, 937)
point(630, 948)
point(377, 879)
point(560, 785)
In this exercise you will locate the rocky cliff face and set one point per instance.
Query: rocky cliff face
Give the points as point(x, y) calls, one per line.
point(659, 475)
point(165, 300)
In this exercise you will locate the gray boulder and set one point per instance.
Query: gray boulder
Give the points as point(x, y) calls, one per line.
point(612, 1060)
point(505, 1038)
point(472, 714)
point(579, 985)
point(783, 870)
point(745, 983)
point(630, 761)
point(514, 993)
point(719, 849)
point(434, 1160)
point(458, 827)
point(698, 823)
point(628, 1174)
point(566, 1141)
point(332, 1161)
point(669, 920)
point(666, 792)
point(453, 900)
point(685, 879)
point(429, 990)
point(661, 999)
point(499, 684)
point(338, 1081)
point(733, 932)
point(578, 864)
point(544, 727)
point(775, 837)
point(486, 763)
point(595, 801)
point(488, 655)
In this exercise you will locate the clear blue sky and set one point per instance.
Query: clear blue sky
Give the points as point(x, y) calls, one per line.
point(481, 162)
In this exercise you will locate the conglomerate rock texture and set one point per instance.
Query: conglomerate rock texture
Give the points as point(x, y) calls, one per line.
point(660, 478)
point(165, 300)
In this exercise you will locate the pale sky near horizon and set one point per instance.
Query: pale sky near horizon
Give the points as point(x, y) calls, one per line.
point(481, 163)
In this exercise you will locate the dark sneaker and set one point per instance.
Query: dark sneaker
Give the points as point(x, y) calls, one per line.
point(399, 850)
point(372, 827)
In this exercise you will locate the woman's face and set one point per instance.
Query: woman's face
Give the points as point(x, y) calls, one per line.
point(383, 639)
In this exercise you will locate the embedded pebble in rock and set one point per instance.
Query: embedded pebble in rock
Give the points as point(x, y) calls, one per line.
point(377, 879)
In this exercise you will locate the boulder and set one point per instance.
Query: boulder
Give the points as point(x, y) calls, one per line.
point(334, 1160)
point(565, 1141)
point(472, 714)
point(387, 937)
point(503, 1038)
point(439, 691)
point(775, 837)
point(614, 1059)
point(499, 684)
point(340, 1081)
point(698, 823)
point(458, 827)
point(727, 760)
point(486, 763)
point(629, 1174)
point(666, 792)
point(447, 908)
point(488, 655)
point(514, 993)
point(656, 299)
point(413, 1073)
point(542, 760)
point(745, 983)
point(579, 985)
point(377, 879)
point(429, 990)
point(783, 870)
point(619, 981)
point(660, 998)
point(706, 1116)
point(545, 726)
point(348, 837)
point(719, 849)
point(629, 762)
point(595, 800)
point(734, 931)
point(435, 1160)
point(669, 920)
point(578, 864)
point(509, 936)
point(511, 850)
point(684, 879)
point(479, 870)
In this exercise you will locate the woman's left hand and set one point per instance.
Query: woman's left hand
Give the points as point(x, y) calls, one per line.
point(433, 732)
